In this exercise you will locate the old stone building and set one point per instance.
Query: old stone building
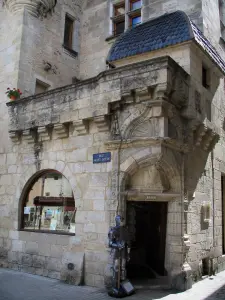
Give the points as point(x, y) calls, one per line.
point(122, 112)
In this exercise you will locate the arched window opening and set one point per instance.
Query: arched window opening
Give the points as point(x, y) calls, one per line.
point(49, 205)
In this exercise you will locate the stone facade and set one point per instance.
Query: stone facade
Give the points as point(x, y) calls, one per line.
point(150, 112)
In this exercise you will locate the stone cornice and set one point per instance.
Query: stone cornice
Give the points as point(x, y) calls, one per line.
point(160, 62)
point(145, 142)
point(37, 8)
point(96, 100)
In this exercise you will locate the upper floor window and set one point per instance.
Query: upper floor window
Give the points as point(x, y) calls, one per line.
point(49, 205)
point(125, 14)
point(135, 4)
point(118, 18)
point(68, 32)
point(71, 35)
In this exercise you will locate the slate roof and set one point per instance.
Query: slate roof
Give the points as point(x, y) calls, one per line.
point(166, 30)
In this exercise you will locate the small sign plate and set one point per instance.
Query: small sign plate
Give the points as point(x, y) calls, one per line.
point(101, 157)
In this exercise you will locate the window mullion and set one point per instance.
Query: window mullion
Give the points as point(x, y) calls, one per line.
point(127, 9)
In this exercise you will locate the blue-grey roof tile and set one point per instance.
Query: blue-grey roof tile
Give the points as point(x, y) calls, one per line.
point(164, 31)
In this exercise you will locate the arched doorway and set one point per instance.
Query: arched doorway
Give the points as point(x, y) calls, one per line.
point(149, 200)
point(48, 204)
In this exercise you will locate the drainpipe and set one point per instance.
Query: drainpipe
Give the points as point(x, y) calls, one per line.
point(213, 196)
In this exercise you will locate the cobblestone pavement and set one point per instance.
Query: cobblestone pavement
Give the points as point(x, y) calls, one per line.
point(21, 286)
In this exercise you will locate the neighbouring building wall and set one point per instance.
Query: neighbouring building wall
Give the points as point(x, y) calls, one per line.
point(42, 42)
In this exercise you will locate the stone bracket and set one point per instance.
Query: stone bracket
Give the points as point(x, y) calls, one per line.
point(28, 135)
point(15, 136)
point(205, 137)
point(102, 123)
point(143, 94)
point(43, 133)
point(128, 97)
point(61, 130)
point(81, 127)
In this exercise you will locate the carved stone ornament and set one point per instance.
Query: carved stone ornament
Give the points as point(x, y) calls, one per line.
point(150, 178)
point(37, 8)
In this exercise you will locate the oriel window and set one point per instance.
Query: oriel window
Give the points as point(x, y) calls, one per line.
point(68, 32)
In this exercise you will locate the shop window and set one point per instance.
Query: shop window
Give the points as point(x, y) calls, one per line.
point(49, 205)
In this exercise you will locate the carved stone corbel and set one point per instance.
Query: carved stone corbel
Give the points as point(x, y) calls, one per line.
point(199, 134)
point(14, 136)
point(143, 94)
point(43, 133)
point(161, 92)
point(61, 131)
point(128, 97)
point(81, 127)
point(28, 136)
point(102, 123)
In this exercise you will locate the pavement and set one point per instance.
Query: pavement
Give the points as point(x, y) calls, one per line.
point(20, 286)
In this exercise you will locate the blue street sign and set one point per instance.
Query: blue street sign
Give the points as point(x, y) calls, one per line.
point(101, 157)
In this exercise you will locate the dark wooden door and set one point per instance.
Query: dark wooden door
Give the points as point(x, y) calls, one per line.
point(150, 234)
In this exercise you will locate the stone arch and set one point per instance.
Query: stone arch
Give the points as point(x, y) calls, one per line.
point(29, 176)
point(145, 158)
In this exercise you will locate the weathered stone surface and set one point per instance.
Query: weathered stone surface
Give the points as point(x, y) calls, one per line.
point(146, 114)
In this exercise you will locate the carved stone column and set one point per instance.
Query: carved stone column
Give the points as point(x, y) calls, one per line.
point(37, 8)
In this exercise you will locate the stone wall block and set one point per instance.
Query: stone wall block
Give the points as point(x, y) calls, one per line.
point(98, 180)
point(18, 245)
point(31, 247)
point(95, 267)
point(39, 261)
point(53, 264)
point(56, 251)
point(27, 260)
